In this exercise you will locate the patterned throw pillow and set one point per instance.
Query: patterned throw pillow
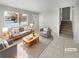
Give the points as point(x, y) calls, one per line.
point(14, 31)
point(21, 29)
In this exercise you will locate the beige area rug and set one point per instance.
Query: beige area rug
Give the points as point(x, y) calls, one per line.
point(33, 51)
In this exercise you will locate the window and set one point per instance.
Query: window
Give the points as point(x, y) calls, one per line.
point(14, 19)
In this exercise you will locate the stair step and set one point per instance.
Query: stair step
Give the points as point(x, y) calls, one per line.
point(66, 22)
point(66, 25)
point(67, 33)
point(67, 30)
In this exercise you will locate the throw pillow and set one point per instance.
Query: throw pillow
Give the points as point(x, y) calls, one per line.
point(21, 29)
point(1, 46)
point(25, 28)
point(10, 41)
point(45, 29)
point(14, 31)
point(5, 43)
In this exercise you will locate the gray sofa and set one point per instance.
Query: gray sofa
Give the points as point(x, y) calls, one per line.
point(9, 51)
point(45, 32)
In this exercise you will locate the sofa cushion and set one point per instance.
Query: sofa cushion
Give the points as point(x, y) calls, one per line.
point(6, 43)
point(14, 31)
point(10, 41)
point(43, 32)
point(1, 46)
point(25, 28)
point(21, 29)
point(21, 33)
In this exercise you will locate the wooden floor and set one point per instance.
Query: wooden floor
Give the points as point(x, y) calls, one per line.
point(48, 48)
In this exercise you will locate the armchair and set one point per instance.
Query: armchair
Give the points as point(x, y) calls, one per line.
point(45, 32)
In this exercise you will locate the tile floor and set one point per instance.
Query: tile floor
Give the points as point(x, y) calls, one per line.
point(56, 48)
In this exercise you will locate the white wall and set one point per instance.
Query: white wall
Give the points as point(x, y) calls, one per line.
point(51, 17)
point(51, 21)
point(76, 23)
point(41, 20)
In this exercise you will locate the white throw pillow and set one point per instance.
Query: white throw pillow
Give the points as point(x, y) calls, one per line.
point(6, 43)
point(15, 30)
point(45, 29)
point(25, 28)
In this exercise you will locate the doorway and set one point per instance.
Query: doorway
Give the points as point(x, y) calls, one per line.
point(66, 21)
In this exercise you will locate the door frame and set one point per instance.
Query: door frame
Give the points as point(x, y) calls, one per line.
point(71, 16)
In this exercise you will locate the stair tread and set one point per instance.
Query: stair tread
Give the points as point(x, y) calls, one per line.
point(66, 32)
point(66, 27)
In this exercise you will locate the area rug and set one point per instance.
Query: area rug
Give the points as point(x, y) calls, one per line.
point(33, 51)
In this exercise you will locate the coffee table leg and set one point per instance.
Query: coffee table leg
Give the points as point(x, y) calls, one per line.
point(38, 40)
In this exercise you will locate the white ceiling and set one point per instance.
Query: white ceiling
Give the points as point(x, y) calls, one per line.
point(33, 5)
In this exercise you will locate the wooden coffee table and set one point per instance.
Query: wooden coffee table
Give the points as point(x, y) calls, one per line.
point(32, 41)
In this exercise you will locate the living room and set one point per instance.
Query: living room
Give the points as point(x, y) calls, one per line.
point(32, 29)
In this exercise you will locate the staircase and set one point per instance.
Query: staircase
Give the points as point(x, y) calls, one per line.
point(66, 28)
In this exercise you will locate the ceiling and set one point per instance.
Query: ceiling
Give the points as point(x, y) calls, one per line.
point(32, 5)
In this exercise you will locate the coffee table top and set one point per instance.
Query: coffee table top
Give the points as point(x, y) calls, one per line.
point(30, 40)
